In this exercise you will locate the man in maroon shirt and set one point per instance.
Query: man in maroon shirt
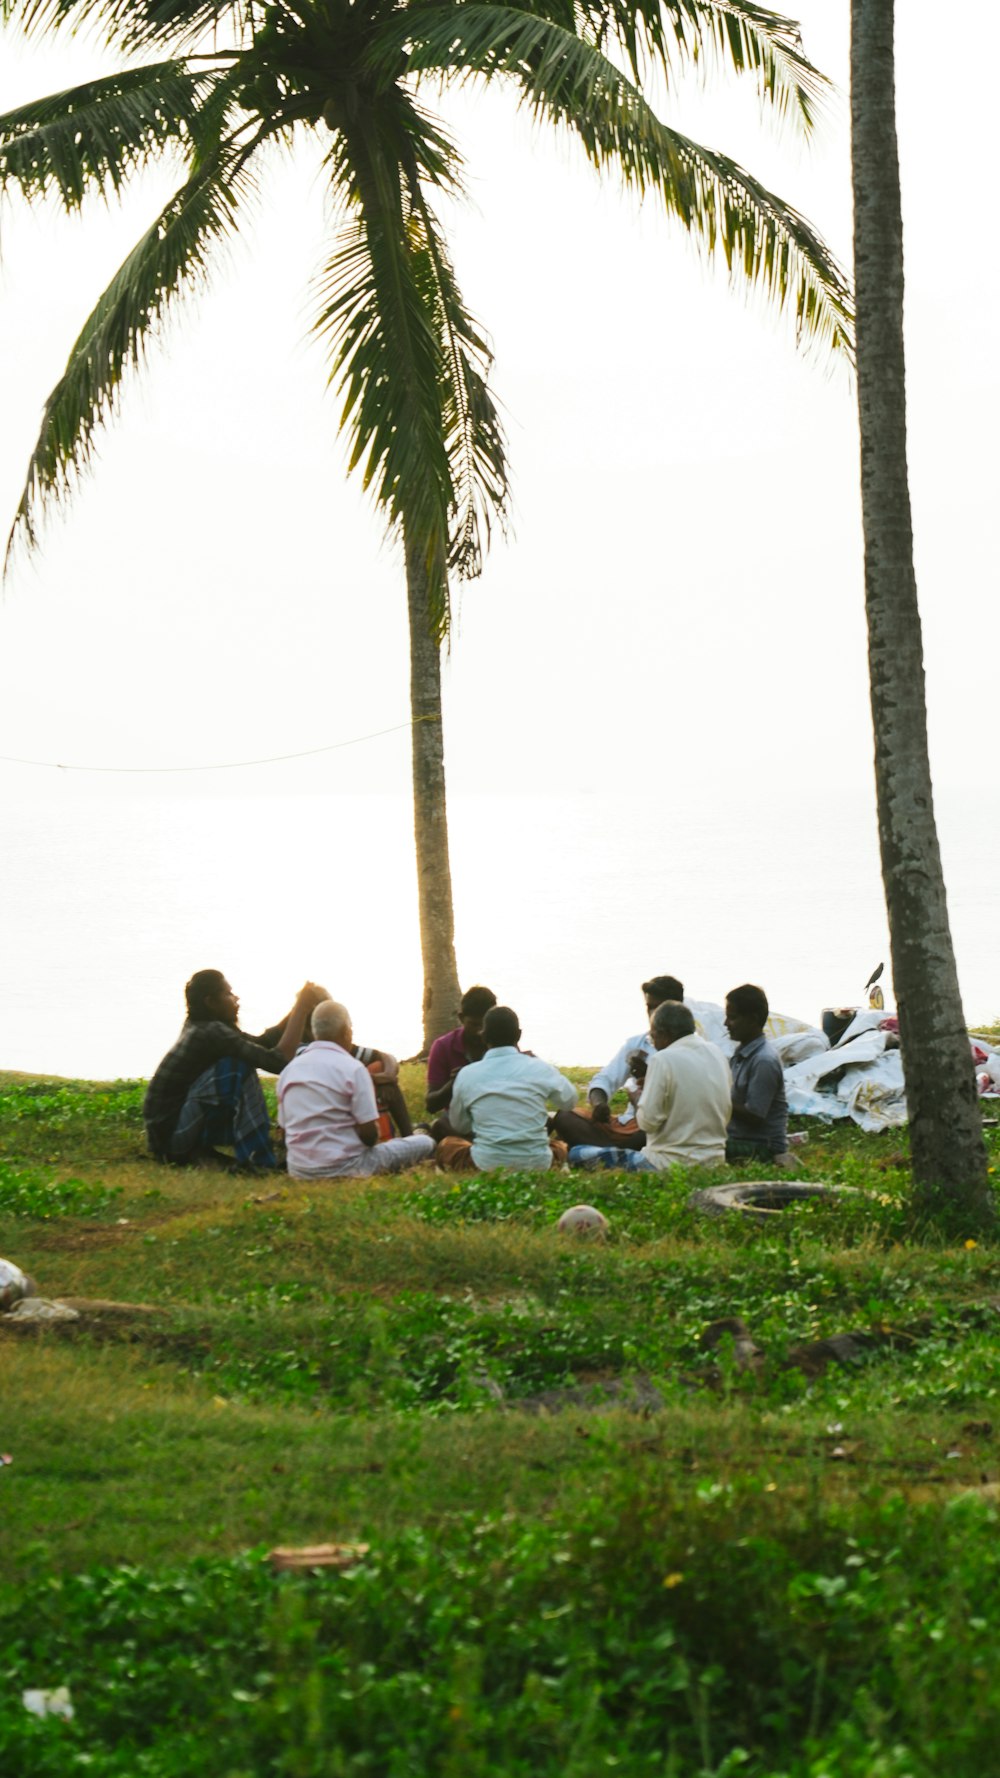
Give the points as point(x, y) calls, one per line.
point(450, 1053)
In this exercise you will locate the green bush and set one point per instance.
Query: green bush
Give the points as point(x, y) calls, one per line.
point(33, 1194)
point(731, 1634)
point(46, 1120)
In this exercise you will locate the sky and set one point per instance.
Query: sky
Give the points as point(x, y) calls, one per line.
point(676, 619)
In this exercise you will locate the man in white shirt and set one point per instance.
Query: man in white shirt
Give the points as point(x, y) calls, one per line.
point(501, 1102)
point(685, 1105)
point(598, 1124)
point(328, 1111)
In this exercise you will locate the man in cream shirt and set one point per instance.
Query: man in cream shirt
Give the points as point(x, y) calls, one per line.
point(685, 1105)
point(687, 1099)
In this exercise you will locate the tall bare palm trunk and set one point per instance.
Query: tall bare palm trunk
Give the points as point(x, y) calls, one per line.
point(430, 814)
point(949, 1159)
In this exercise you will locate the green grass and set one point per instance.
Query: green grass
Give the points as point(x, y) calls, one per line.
point(776, 1575)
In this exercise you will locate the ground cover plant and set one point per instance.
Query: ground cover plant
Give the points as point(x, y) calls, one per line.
point(594, 1543)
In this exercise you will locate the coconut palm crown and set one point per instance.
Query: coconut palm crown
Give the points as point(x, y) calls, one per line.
point(215, 85)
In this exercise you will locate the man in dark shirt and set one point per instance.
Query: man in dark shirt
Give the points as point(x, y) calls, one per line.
point(758, 1128)
point(206, 1090)
point(450, 1054)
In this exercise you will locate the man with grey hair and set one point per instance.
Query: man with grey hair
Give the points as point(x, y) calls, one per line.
point(685, 1102)
point(384, 1070)
point(327, 1108)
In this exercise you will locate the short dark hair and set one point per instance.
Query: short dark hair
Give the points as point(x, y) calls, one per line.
point(475, 1002)
point(663, 987)
point(673, 1019)
point(203, 986)
point(749, 1000)
point(501, 1026)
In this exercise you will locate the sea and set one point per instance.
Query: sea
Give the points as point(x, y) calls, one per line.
point(110, 897)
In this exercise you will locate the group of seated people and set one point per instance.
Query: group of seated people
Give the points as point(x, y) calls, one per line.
point(494, 1105)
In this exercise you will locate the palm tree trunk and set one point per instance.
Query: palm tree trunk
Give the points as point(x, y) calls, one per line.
point(430, 815)
point(948, 1154)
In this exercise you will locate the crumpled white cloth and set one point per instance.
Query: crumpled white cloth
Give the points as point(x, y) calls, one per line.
point(859, 1078)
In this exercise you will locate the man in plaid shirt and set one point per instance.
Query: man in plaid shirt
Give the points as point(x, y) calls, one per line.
point(206, 1090)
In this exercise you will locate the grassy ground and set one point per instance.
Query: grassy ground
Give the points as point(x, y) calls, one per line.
point(782, 1572)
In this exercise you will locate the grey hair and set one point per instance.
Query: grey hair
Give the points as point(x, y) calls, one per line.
point(672, 1019)
point(330, 1021)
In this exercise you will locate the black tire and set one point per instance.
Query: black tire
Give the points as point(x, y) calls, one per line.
point(764, 1199)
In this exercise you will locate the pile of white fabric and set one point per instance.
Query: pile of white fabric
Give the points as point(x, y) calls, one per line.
point(860, 1078)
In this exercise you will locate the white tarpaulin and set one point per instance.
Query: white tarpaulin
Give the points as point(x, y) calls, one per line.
point(860, 1078)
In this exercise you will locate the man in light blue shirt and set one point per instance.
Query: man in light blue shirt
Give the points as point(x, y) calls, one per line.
point(501, 1102)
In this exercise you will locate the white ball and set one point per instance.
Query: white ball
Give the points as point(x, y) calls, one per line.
point(583, 1219)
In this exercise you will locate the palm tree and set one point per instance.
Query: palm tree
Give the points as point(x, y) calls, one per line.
point(231, 79)
point(949, 1156)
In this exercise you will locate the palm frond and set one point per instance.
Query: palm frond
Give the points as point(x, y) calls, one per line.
point(172, 257)
point(409, 363)
point(745, 38)
point(571, 83)
point(91, 137)
point(473, 434)
point(136, 24)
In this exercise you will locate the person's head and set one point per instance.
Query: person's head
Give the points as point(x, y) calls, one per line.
point(473, 1007)
point(501, 1028)
point(660, 988)
point(671, 1019)
point(309, 1035)
point(331, 1023)
point(746, 1012)
point(209, 996)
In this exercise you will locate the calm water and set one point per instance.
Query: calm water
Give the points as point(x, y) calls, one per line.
point(109, 900)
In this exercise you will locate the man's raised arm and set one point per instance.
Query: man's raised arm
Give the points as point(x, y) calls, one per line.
point(308, 997)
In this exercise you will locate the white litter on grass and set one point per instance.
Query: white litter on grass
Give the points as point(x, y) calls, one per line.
point(39, 1308)
point(49, 1703)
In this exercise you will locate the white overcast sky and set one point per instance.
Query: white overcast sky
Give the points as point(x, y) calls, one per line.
point(685, 559)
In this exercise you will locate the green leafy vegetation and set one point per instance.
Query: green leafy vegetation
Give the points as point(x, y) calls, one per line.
point(55, 1119)
point(594, 1543)
point(743, 1634)
point(33, 1193)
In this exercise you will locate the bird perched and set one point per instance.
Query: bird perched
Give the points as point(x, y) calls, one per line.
point(876, 999)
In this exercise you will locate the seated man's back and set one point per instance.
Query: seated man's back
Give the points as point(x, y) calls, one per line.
point(324, 1094)
point(328, 1109)
point(502, 1101)
point(686, 1100)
